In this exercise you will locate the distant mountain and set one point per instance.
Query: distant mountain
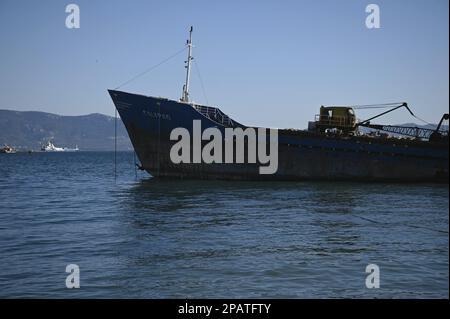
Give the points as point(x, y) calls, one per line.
point(93, 132)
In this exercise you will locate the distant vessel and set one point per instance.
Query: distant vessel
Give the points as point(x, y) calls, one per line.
point(333, 147)
point(50, 147)
point(8, 150)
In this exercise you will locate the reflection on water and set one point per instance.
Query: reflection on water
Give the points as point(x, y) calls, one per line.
point(318, 235)
point(164, 238)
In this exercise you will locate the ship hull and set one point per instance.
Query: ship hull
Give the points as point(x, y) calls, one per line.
point(301, 155)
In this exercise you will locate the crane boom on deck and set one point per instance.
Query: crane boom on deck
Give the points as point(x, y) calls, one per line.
point(343, 118)
point(416, 132)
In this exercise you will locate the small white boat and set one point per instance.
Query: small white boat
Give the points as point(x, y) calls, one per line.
point(8, 150)
point(50, 147)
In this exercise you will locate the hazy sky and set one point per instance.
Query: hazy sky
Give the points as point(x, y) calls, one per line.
point(269, 63)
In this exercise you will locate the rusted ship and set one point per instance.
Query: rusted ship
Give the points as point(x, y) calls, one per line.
point(334, 147)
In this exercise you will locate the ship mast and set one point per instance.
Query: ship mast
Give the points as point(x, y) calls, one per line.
point(185, 97)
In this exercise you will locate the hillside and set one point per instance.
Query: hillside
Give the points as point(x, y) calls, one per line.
point(29, 130)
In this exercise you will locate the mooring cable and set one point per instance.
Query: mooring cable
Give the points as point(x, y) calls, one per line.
point(115, 143)
point(135, 164)
point(408, 225)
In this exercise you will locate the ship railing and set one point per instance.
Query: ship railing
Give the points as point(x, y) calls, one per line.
point(215, 115)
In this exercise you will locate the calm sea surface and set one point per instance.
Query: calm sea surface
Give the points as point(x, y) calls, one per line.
point(145, 238)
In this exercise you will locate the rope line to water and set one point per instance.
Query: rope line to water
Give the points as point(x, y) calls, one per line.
point(408, 225)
